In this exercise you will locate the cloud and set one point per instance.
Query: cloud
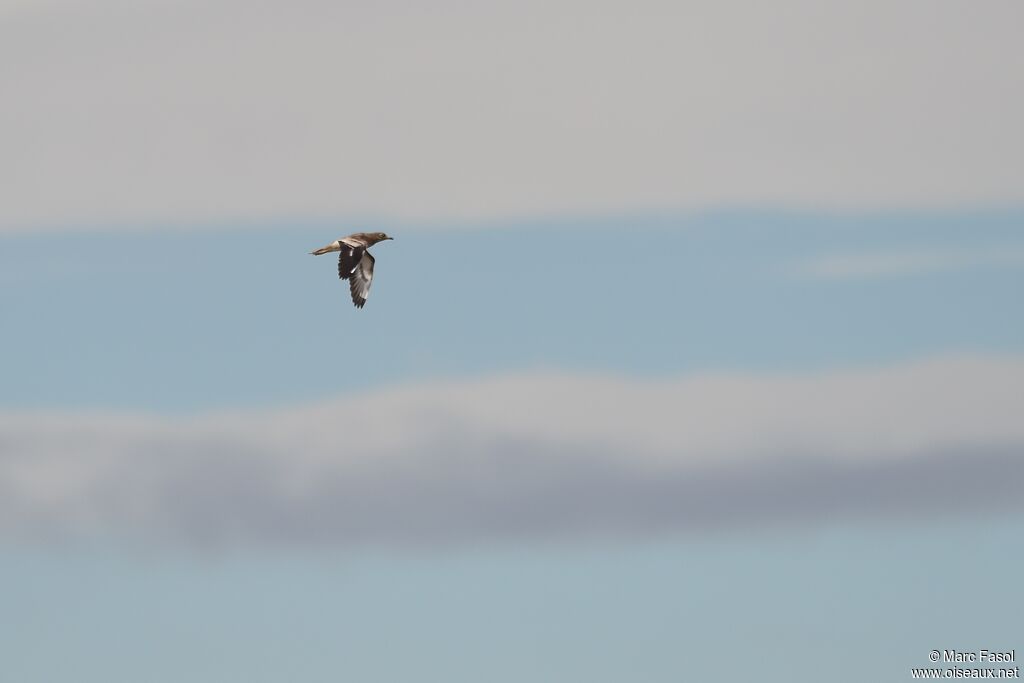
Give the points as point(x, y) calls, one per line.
point(529, 456)
point(170, 112)
point(896, 263)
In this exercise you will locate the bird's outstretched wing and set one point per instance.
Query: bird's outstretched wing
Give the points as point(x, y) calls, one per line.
point(348, 259)
point(362, 276)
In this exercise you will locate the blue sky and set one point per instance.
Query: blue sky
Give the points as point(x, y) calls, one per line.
point(697, 354)
point(849, 602)
point(186, 321)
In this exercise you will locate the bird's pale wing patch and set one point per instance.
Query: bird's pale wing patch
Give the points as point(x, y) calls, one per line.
point(359, 282)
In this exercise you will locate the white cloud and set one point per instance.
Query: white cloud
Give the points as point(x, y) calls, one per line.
point(894, 263)
point(535, 454)
point(211, 111)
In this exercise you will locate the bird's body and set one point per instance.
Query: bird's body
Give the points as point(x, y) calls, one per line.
point(355, 262)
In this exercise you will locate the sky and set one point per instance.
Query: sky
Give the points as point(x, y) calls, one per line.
point(696, 354)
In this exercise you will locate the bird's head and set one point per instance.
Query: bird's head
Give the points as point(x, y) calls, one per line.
point(378, 237)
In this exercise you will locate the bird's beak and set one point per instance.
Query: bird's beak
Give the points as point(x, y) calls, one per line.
point(326, 250)
point(391, 238)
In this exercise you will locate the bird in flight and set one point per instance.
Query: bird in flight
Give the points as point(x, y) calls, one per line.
point(355, 262)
